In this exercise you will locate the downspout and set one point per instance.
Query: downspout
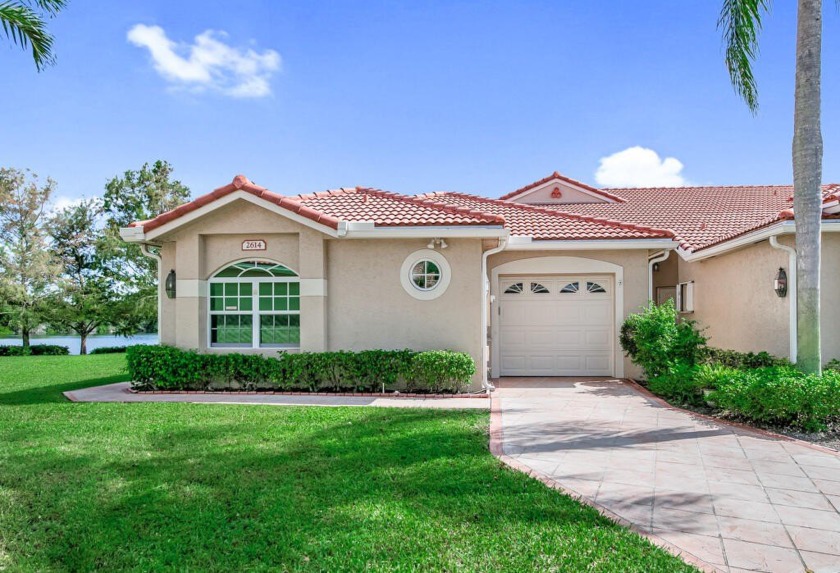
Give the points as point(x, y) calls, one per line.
point(774, 242)
point(651, 262)
point(485, 303)
point(144, 248)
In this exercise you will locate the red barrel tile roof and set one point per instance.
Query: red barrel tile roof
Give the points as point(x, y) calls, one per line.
point(699, 216)
point(547, 224)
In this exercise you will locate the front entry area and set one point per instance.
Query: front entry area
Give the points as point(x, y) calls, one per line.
point(556, 325)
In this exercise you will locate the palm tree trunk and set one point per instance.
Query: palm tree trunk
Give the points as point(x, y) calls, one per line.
point(807, 180)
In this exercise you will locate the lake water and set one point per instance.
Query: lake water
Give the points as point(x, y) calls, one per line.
point(98, 341)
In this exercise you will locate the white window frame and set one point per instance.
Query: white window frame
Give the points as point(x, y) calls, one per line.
point(255, 309)
point(685, 297)
point(438, 289)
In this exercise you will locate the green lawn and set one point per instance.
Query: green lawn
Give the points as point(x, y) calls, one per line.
point(210, 487)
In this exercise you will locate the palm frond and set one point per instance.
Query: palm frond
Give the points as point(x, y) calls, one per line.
point(740, 21)
point(24, 26)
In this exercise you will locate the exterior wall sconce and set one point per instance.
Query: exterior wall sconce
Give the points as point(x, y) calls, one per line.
point(780, 285)
point(169, 286)
point(656, 267)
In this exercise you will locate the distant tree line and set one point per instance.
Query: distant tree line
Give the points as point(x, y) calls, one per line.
point(68, 269)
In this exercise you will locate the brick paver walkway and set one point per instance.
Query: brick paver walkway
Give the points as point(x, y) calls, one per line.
point(734, 499)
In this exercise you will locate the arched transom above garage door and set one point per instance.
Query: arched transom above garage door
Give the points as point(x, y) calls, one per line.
point(547, 322)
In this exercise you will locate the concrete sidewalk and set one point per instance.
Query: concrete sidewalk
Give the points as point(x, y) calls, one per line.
point(728, 498)
point(120, 393)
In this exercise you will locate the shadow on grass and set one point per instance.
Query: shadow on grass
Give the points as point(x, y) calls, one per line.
point(235, 488)
point(54, 393)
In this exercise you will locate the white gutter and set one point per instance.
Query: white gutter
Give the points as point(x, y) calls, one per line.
point(774, 242)
point(144, 248)
point(485, 302)
point(651, 262)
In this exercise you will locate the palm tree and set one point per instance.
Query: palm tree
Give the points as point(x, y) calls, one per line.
point(24, 23)
point(740, 21)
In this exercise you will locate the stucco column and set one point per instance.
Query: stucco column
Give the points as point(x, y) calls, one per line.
point(190, 302)
point(313, 291)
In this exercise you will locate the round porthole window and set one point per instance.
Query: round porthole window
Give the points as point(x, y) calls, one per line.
point(425, 274)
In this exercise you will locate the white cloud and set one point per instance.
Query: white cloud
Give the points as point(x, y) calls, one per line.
point(639, 167)
point(208, 63)
point(61, 203)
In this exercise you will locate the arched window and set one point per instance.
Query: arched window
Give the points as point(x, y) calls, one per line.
point(255, 304)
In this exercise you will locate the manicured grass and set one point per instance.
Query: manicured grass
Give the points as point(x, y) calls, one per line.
point(154, 486)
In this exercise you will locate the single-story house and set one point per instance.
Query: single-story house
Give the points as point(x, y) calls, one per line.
point(535, 283)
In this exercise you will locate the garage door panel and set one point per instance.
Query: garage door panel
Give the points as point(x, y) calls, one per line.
point(554, 333)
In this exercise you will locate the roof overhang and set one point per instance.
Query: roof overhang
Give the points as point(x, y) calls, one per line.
point(527, 243)
point(786, 227)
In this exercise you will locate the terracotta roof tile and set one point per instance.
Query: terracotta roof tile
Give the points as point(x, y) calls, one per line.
point(547, 224)
point(354, 204)
point(699, 216)
point(388, 209)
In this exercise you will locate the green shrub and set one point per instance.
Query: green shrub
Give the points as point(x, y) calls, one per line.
point(832, 364)
point(678, 384)
point(781, 395)
point(108, 350)
point(735, 359)
point(169, 368)
point(14, 351)
point(659, 341)
point(440, 371)
point(35, 350)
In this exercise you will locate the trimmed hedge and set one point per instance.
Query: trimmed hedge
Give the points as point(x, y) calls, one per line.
point(778, 395)
point(170, 368)
point(108, 350)
point(735, 359)
point(35, 350)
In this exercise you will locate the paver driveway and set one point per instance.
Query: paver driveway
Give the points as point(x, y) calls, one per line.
point(734, 499)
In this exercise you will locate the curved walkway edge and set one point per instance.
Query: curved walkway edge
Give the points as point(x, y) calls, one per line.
point(722, 496)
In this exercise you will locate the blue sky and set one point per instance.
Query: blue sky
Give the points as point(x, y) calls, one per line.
point(480, 97)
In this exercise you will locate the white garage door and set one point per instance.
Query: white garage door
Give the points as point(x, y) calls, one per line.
point(556, 325)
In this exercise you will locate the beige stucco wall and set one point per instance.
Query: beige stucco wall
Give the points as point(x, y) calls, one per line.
point(735, 302)
point(633, 262)
point(369, 308)
point(198, 250)
point(365, 305)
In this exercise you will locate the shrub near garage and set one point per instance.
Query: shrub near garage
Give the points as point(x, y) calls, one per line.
point(169, 368)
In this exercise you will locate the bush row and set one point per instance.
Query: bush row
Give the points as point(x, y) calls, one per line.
point(754, 386)
point(169, 368)
point(35, 350)
point(108, 350)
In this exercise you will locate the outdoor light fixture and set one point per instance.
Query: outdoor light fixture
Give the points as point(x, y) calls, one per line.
point(656, 267)
point(780, 284)
point(440, 242)
point(170, 284)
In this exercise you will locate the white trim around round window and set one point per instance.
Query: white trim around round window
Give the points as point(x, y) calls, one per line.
point(425, 274)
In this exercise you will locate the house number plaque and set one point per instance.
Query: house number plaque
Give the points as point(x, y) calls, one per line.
point(253, 245)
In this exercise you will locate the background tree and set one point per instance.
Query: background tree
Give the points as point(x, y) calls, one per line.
point(24, 23)
point(741, 22)
point(136, 196)
point(83, 300)
point(25, 262)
